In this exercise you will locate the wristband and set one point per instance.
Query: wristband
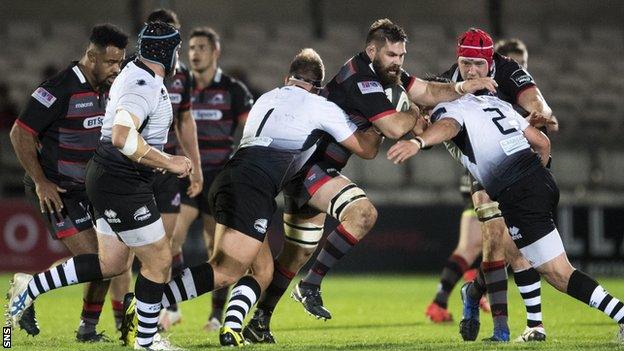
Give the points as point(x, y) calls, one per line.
point(420, 142)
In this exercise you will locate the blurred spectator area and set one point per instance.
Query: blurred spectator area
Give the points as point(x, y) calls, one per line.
point(575, 53)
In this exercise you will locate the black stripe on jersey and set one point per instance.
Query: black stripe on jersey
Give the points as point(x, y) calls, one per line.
point(264, 119)
point(462, 140)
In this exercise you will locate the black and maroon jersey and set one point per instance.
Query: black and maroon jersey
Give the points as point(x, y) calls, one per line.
point(65, 113)
point(512, 79)
point(357, 90)
point(217, 110)
point(179, 87)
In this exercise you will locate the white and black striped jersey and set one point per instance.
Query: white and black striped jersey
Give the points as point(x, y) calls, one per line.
point(142, 93)
point(286, 123)
point(491, 140)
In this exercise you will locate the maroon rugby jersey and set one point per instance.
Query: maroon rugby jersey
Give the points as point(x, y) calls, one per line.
point(65, 113)
point(217, 110)
point(179, 88)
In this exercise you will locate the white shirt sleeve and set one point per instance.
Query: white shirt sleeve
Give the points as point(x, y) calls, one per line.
point(523, 122)
point(334, 120)
point(139, 98)
point(446, 111)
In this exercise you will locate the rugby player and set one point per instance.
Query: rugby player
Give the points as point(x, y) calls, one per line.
point(509, 157)
point(54, 137)
point(220, 106)
point(470, 241)
point(476, 58)
point(182, 140)
point(358, 88)
point(282, 132)
point(119, 183)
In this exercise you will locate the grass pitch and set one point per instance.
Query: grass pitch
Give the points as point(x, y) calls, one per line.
point(376, 312)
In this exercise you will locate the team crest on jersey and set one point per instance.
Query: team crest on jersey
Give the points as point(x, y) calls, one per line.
point(217, 99)
point(141, 82)
point(521, 77)
point(370, 86)
point(175, 98)
point(44, 97)
point(260, 225)
point(142, 214)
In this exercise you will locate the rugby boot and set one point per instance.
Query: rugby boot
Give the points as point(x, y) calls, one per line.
point(469, 325)
point(310, 298)
point(258, 329)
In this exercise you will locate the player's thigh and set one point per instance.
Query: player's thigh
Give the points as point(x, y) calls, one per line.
point(169, 222)
point(115, 256)
point(84, 242)
point(323, 196)
point(233, 255)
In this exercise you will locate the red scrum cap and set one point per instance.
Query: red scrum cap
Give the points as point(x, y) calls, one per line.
point(476, 43)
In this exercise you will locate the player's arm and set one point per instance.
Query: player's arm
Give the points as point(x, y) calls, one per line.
point(126, 138)
point(25, 145)
point(186, 131)
point(532, 100)
point(440, 131)
point(432, 93)
point(397, 124)
point(539, 143)
point(365, 144)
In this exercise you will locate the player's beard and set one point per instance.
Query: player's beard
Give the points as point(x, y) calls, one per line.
point(388, 76)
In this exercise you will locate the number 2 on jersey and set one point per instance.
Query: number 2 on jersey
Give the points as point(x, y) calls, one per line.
point(500, 116)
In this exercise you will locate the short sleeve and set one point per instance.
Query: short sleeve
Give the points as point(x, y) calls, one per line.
point(366, 95)
point(407, 80)
point(139, 98)
point(335, 121)
point(46, 104)
point(242, 100)
point(513, 79)
point(445, 111)
point(524, 124)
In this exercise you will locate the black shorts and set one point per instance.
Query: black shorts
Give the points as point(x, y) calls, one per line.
point(124, 206)
point(166, 188)
point(200, 201)
point(528, 207)
point(77, 213)
point(243, 199)
point(298, 192)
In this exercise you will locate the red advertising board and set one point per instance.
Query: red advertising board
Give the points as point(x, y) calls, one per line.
point(25, 244)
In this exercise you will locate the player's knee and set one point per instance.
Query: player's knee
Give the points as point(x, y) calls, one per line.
point(303, 237)
point(348, 205)
point(365, 214)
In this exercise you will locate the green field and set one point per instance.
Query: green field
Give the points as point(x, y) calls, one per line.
point(377, 312)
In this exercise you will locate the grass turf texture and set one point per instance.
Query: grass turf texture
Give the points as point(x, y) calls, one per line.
point(377, 312)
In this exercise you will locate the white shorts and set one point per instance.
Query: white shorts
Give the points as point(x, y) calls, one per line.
point(544, 249)
point(149, 234)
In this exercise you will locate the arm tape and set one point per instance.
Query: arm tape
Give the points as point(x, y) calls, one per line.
point(133, 145)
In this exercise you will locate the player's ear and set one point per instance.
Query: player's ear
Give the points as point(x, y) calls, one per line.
point(92, 54)
point(371, 49)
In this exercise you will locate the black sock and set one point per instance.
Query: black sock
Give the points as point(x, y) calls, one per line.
point(584, 288)
point(149, 296)
point(76, 270)
point(529, 284)
point(277, 288)
point(244, 296)
point(193, 282)
point(451, 273)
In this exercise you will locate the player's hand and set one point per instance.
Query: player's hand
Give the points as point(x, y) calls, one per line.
point(422, 123)
point(403, 150)
point(539, 120)
point(180, 165)
point(49, 198)
point(197, 183)
point(473, 85)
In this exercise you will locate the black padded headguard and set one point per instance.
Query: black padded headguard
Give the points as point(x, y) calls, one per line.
point(158, 43)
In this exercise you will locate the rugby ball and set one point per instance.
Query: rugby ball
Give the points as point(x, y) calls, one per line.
point(398, 97)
